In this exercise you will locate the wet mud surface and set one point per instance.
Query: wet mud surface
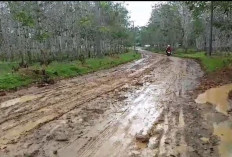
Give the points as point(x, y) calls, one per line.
point(143, 108)
point(218, 115)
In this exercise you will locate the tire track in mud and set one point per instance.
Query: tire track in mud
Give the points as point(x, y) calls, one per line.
point(94, 148)
point(77, 86)
point(172, 142)
point(177, 144)
point(164, 80)
point(48, 108)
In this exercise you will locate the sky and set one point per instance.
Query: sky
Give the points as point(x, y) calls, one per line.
point(140, 11)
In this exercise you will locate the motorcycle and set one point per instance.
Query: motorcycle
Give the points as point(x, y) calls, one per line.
point(168, 53)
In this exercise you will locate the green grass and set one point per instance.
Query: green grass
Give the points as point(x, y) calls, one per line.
point(5, 67)
point(59, 70)
point(209, 63)
point(11, 81)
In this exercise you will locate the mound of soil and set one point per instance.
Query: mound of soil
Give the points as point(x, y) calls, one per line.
point(230, 95)
point(214, 79)
point(2, 93)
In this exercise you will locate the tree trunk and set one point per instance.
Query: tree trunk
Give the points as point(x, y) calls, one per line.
point(211, 29)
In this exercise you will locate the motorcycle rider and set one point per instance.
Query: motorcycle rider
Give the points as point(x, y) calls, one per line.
point(168, 49)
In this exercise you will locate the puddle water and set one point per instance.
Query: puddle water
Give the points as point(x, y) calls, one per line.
point(145, 112)
point(216, 96)
point(18, 100)
point(140, 145)
point(219, 97)
point(224, 131)
point(181, 119)
point(142, 113)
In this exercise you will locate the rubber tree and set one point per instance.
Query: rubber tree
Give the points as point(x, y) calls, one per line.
point(211, 29)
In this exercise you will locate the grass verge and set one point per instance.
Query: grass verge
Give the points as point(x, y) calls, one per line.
point(59, 70)
point(209, 63)
point(218, 69)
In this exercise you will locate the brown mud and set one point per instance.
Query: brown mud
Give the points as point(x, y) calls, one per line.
point(143, 108)
point(214, 96)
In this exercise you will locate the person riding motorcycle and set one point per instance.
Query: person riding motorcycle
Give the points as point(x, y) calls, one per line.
point(168, 49)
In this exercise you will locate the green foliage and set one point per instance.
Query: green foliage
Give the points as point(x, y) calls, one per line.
point(185, 51)
point(198, 26)
point(209, 63)
point(187, 23)
point(80, 26)
point(164, 26)
point(58, 70)
point(104, 5)
point(104, 29)
point(25, 18)
point(199, 7)
point(12, 81)
point(6, 67)
point(86, 21)
point(42, 37)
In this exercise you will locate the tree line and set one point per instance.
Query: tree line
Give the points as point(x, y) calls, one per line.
point(187, 25)
point(43, 31)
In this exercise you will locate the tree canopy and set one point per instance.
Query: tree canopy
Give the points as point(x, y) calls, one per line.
point(62, 29)
point(187, 24)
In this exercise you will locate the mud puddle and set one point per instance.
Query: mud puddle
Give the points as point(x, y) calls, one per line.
point(141, 145)
point(216, 96)
point(119, 137)
point(224, 131)
point(219, 97)
point(144, 111)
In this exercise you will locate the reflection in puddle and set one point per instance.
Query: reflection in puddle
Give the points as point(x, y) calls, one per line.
point(18, 100)
point(224, 131)
point(217, 96)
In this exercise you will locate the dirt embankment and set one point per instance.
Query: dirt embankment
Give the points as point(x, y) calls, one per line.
point(214, 79)
point(208, 122)
point(143, 108)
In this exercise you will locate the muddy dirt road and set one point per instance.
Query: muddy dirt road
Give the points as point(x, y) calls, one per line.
point(142, 108)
